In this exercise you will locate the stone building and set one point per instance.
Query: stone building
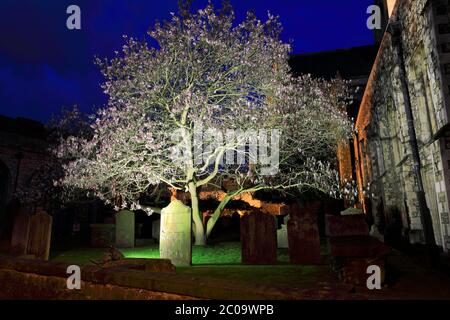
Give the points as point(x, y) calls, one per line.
point(402, 132)
point(23, 151)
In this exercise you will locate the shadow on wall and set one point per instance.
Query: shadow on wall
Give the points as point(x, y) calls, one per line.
point(394, 231)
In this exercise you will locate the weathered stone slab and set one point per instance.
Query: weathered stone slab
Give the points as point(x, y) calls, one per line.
point(303, 233)
point(20, 233)
point(258, 239)
point(350, 225)
point(304, 241)
point(40, 235)
point(102, 235)
point(176, 233)
point(125, 229)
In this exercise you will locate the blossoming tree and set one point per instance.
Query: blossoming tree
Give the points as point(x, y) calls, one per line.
point(206, 70)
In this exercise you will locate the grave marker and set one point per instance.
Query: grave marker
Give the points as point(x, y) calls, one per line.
point(125, 229)
point(40, 235)
point(176, 233)
point(258, 239)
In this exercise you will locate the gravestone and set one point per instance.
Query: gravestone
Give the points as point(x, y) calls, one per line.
point(40, 235)
point(258, 238)
point(125, 229)
point(102, 235)
point(350, 225)
point(303, 235)
point(20, 232)
point(175, 240)
point(156, 229)
point(282, 236)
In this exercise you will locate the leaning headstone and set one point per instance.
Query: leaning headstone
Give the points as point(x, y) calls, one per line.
point(125, 229)
point(40, 235)
point(175, 240)
point(20, 233)
point(258, 239)
point(303, 235)
point(156, 229)
point(304, 242)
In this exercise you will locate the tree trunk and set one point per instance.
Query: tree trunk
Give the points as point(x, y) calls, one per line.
point(216, 215)
point(199, 230)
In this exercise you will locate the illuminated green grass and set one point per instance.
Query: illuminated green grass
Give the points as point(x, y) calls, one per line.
point(220, 261)
point(220, 254)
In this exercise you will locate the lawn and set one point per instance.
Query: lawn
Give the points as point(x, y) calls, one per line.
point(220, 261)
point(226, 253)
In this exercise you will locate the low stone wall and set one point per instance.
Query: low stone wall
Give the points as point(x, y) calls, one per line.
point(37, 279)
point(21, 285)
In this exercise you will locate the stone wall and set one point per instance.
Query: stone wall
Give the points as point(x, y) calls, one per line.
point(20, 285)
point(23, 154)
point(382, 140)
point(23, 150)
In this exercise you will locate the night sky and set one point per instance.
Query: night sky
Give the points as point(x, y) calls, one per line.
point(44, 66)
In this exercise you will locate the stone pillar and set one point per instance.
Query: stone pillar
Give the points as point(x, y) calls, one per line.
point(258, 239)
point(40, 235)
point(175, 240)
point(303, 235)
point(125, 229)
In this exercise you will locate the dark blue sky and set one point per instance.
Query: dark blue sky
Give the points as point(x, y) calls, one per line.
point(44, 66)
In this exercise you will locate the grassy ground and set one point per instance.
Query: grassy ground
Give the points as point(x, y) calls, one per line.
point(228, 253)
point(222, 261)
